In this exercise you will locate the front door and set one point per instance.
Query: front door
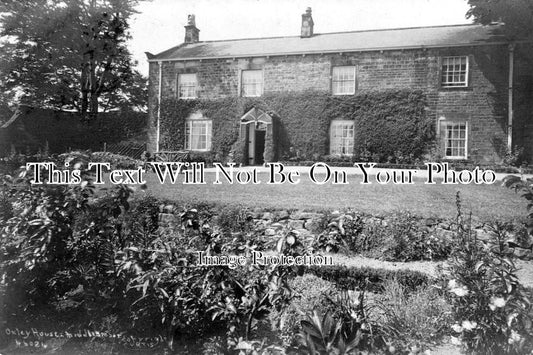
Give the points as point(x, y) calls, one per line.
point(256, 142)
point(259, 146)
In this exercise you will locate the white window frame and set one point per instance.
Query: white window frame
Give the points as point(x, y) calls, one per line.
point(340, 143)
point(193, 127)
point(449, 68)
point(247, 83)
point(187, 84)
point(447, 140)
point(337, 81)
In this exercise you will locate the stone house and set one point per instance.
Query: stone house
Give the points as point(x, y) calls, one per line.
point(477, 89)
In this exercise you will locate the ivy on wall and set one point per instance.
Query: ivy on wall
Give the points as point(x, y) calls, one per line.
point(223, 112)
point(388, 125)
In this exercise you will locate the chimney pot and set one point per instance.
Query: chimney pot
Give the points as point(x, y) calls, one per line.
point(307, 24)
point(191, 20)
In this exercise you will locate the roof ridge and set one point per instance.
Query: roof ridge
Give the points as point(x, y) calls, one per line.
point(390, 38)
point(342, 32)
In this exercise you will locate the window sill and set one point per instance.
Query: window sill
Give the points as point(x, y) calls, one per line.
point(455, 158)
point(343, 94)
point(455, 88)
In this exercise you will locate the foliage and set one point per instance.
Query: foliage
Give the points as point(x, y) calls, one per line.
point(6, 209)
point(302, 120)
point(56, 248)
point(68, 253)
point(387, 124)
point(223, 112)
point(363, 237)
point(238, 152)
point(262, 288)
point(411, 321)
point(11, 164)
point(331, 235)
point(344, 332)
point(309, 292)
point(526, 188)
point(202, 157)
point(491, 309)
point(70, 54)
point(58, 132)
point(162, 269)
point(399, 237)
point(269, 154)
point(515, 14)
point(322, 335)
point(516, 157)
point(407, 241)
point(116, 161)
point(338, 160)
point(232, 219)
point(370, 279)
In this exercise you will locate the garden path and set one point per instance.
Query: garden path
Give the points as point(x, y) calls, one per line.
point(525, 272)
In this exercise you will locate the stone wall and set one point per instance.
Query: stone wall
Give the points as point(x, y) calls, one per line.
point(309, 225)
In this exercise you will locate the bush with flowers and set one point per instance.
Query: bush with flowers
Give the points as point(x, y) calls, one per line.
point(492, 311)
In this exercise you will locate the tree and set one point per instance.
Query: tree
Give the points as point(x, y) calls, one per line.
point(517, 15)
point(69, 54)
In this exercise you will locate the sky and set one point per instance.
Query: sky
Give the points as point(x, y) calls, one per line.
point(159, 24)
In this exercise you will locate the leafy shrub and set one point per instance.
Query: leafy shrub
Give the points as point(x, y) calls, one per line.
point(116, 161)
point(6, 208)
point(258, 291)
point(56, 247)
point(492, 310)
point(342, 331)
point(526, 188)
point(331, 234)
point(11, 163)
point(323, 335)
point(142, 220)
point(516, 157)
point(171, 293)
point(408, 241)
point(68, 252)
point(366, 238)
point(309, 292)
point(400, 237)
point(203, 157)
point(411, 321)
point(234, 219)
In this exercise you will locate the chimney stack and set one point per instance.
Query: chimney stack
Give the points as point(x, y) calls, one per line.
point(192, 34)
point(307, 24)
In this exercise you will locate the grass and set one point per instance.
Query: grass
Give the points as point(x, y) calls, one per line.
point(412, 319)
point(485, 201)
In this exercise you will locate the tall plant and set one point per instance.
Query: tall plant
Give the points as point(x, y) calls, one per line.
point(491, 309)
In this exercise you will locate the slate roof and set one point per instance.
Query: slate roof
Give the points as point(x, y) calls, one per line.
point(385, 39)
